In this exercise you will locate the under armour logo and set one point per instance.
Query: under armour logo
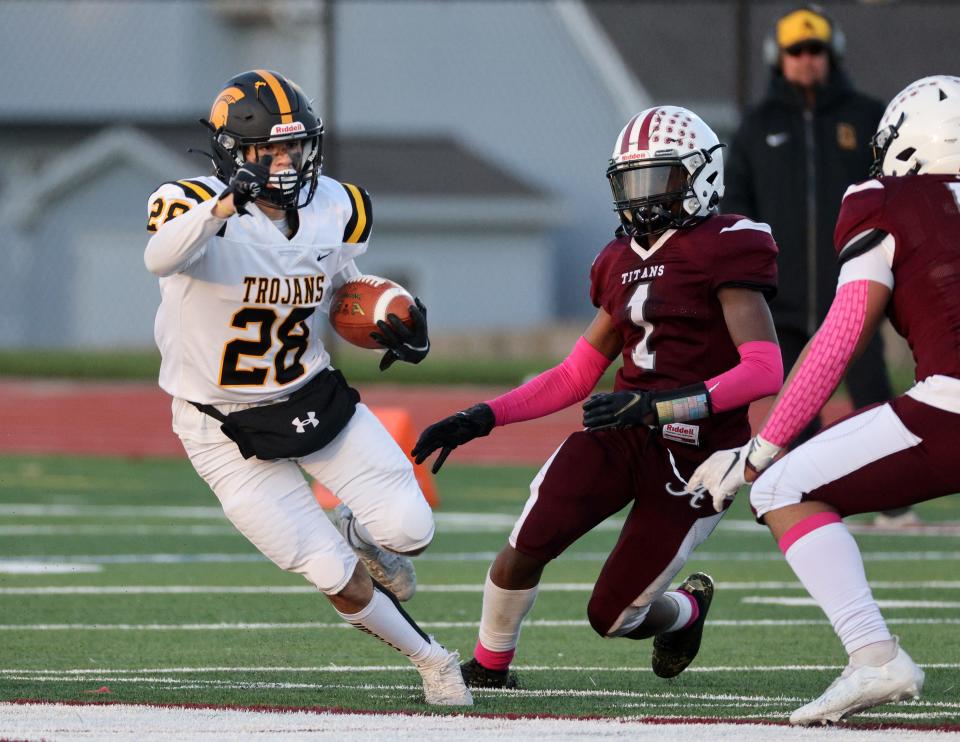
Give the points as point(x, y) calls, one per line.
point(302, 424)
point(696, 496)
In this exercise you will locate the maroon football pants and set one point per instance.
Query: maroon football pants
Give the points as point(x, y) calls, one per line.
point(596, 474)
point(880, 458)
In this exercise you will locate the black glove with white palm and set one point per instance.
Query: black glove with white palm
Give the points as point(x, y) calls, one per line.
point(409, 344)
point(247, 182)
point(725, 472)
point(453, 431)
point(618, 410)
point(642, 407)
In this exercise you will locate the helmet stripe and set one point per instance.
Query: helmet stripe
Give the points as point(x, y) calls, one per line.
point(625, 141)
point(643, 132)
point(283, 103)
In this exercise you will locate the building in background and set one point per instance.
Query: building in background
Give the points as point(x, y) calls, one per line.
point(482, 129)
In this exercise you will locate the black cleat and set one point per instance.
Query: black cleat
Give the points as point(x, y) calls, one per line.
point(476, 675)
point(673, 652)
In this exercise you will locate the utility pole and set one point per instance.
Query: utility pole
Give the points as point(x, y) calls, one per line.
point(328, 111)
point(742, 36)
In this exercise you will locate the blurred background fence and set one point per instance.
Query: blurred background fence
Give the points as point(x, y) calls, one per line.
point(482, 130)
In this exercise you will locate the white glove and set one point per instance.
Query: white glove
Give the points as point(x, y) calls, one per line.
point(722, 475)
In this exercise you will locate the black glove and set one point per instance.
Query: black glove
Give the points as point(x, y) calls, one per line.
point(247, 182)
point(618, 410)
point(453, 431)
point(640, 407)
point(403, 343)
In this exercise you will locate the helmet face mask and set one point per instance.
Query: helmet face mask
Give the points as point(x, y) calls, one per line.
point(260, 110)
point(288, 180)
point(649, 194)
point(666, 171)
point(881, 142)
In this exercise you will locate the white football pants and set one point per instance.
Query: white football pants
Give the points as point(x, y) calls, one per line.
point(271, 504)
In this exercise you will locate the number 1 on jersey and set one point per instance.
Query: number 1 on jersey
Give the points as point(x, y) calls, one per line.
point(642, 355)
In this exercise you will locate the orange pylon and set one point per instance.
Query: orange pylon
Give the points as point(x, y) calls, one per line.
point(399, 424)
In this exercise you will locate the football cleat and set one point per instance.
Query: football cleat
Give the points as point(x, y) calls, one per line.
point(394, 571)
point(862, 688)
point(674, 651)
point(442, 682)
point(477, 676)
point(902, 518)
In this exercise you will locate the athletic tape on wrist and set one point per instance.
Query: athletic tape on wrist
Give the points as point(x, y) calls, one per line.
point(762, 453)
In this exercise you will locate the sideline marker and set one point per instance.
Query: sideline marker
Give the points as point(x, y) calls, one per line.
point(399, 424)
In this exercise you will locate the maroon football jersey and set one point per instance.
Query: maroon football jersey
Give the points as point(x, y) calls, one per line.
point(922, 212)
point(664, 304)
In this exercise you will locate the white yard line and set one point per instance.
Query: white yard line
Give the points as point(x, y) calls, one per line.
point(404, 668)
point(449, 521)
point(46, 568)
point(461, 588)
point(931, 530)
point(796, 602)
point(121, 723)
point(435, 556)
point(297, 626)
point(115, 529)
point(21, 509)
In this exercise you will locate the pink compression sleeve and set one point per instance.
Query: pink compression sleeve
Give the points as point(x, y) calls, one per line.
point(822, 368)
point(759, 373)
point(555, 388)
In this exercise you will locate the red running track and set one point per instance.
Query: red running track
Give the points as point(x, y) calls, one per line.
point(133, 419)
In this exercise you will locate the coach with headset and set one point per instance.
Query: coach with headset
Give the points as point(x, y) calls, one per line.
point(789, 164)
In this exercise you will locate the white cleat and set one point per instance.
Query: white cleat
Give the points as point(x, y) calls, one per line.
point(442, 680)
point(394, 571)
point(906, 520)
point(861, 688)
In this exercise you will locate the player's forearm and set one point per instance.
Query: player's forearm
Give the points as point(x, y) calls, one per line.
point(820, 369)
point(554, 389)
point(224, 207)
point(759, 374)
point(178, 240)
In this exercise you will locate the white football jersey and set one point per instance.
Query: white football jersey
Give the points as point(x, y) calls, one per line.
point(239, 317)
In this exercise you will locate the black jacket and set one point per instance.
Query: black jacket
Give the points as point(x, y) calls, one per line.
point(789, 167)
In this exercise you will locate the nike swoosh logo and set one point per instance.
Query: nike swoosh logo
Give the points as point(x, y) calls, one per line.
point(736, 458)
point(775, 140)
point(322, 255)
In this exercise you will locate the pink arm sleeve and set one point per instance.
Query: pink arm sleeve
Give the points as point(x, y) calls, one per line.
point(555, 388)
point(822, 368)
point(759, 373)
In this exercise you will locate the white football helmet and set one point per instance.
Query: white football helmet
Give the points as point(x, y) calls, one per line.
point(666, 171)
point(920, 130)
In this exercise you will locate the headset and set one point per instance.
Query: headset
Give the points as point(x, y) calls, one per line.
point(837, 45)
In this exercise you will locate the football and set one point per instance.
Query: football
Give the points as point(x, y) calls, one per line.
point(359, 304)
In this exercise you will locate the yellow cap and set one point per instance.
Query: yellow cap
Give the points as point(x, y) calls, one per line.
point(802, 25)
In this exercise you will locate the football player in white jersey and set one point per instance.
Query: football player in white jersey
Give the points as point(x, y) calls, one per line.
point(248, 259)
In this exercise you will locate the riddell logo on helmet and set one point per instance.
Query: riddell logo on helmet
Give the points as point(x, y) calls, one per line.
point(630, 156)
point(280, 129)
